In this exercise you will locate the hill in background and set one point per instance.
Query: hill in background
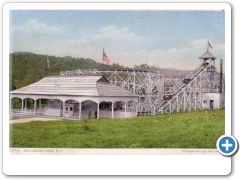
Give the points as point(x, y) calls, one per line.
point(27, 68)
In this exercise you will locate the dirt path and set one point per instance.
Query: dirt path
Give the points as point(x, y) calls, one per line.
point(31, 119)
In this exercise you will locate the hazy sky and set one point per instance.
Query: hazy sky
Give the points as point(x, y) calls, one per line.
point(173, 39)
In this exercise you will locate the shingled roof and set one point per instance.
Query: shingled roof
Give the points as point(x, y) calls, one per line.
point(207, 55)
point(74, 85)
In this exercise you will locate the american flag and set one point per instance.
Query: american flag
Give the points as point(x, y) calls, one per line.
point(209, 45)
point(105, 58)
point(48, 63)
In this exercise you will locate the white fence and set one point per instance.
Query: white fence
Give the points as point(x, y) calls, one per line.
point(25, 113)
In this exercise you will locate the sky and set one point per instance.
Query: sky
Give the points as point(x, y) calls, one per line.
point(166, 39)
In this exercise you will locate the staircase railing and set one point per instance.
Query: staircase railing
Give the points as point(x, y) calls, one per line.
point(182, 86)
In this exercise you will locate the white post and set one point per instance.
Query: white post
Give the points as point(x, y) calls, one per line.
point(112, 109)
point(184, 101)
point(98, 110)
point(177, 104)
point(35, 104)
point(170, 107)
point(136, 109)
point(10, 105)
point(26, 104)
point(125, 109)
point(200, 93)
point(40, 104)
point(134, 82)
point(22, 104)
point(190, 99)
point(80, 110)
point(63, 110)
point(195, 102)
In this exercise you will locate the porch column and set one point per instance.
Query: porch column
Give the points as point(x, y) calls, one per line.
point(22, 104)
point(26, 104)
point(10, 105)
point(64, 110)
point(98, 110)
point(80, 110)
point(112, 109)
point(40, 104)
point(125, 109)
point(35, 104)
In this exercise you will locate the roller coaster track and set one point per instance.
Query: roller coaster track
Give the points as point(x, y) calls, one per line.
point(149, 86)
point(187, 93)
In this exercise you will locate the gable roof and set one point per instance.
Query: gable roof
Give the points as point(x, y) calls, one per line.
point(73, 85)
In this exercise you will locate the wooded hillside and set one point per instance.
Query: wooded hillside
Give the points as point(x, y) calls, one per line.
point(27, 68)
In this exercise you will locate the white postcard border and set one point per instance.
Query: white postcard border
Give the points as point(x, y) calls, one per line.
point(114, 164)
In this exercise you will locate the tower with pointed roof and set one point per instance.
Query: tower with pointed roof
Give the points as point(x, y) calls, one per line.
point(207, 56)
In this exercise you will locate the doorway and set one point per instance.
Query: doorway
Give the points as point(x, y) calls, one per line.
point(211, 104)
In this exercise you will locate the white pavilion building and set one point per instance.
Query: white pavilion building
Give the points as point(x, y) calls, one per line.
point(75, 97)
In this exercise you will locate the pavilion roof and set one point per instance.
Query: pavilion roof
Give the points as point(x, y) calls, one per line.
point(75, 86)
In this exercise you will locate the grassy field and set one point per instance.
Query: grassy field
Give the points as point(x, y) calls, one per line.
point(183, 130)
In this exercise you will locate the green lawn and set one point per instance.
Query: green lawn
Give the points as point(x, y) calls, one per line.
point(184, 130)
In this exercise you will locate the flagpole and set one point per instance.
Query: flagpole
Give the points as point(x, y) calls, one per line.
point(102, 62)
point(208, 46)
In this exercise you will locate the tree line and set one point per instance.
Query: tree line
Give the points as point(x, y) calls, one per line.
point(27, 68)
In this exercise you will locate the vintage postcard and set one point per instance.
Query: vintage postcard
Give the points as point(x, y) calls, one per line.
point(119, 83)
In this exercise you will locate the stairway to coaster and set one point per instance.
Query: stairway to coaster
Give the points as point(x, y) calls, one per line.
point(182, 85)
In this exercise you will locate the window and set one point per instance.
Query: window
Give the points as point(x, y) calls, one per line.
point(66, 108)
point(205, 102)
point(70, 108)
